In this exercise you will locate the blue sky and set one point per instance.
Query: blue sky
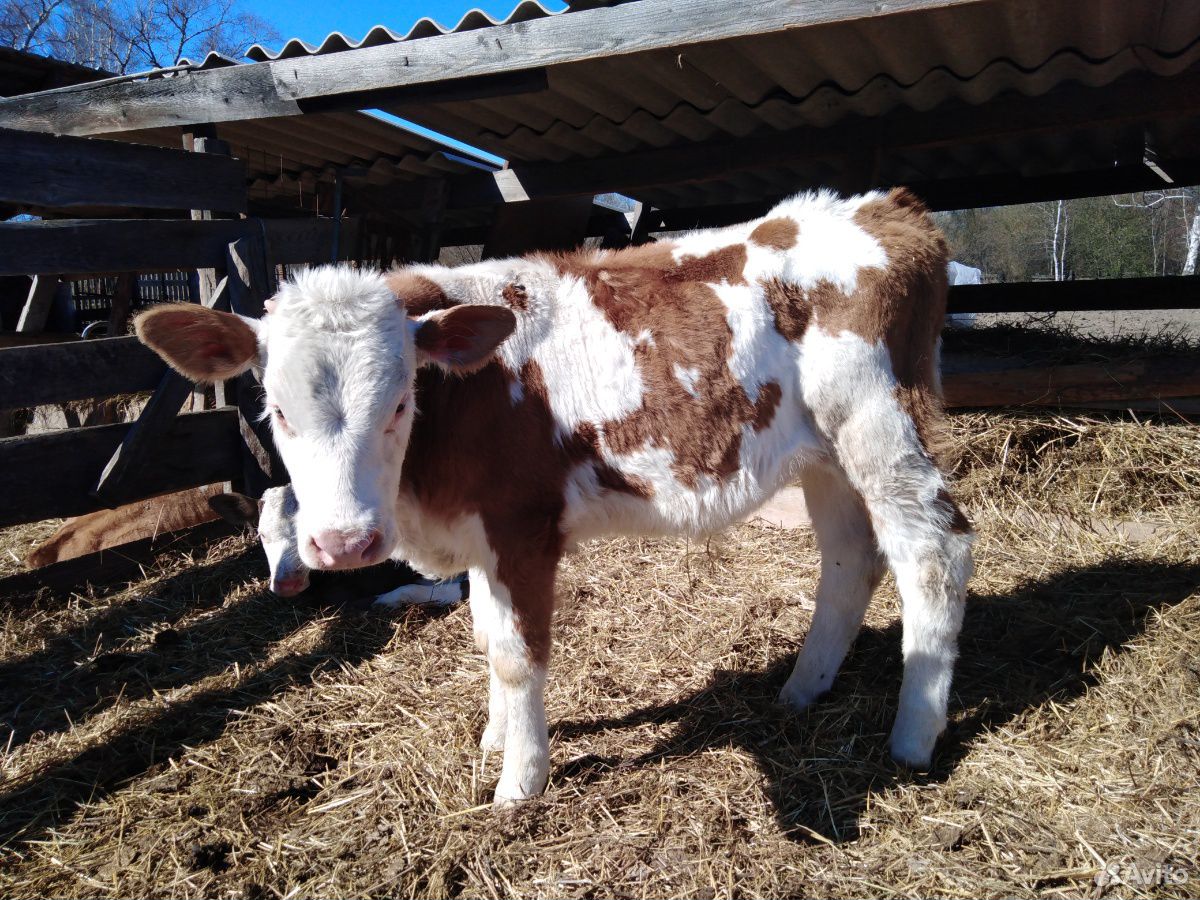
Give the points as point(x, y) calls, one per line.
point(311, 20)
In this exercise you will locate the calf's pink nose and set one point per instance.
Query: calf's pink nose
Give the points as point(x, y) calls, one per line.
point(289, 587)
point(337, 549)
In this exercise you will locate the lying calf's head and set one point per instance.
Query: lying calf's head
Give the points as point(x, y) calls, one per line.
point(338, 357)
point(275, 517)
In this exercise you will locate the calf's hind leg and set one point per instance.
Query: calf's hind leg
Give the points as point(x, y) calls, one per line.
point(851, 567)
point(927, 544)
point(850, 387)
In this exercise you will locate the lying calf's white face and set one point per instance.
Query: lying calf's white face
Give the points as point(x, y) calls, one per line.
point(338, 357)
point(274, 516)
point(277, 534)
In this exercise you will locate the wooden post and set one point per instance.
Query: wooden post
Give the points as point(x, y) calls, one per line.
point(122, 302)
point(433, 209)
point(34, 314)
point(250, 284)
point(642, 221)
point(37, 305)
point(203, 139)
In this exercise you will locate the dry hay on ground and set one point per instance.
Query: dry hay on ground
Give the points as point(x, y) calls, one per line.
point(192, 735)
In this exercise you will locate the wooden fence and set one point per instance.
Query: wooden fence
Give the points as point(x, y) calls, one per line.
point(79, 470)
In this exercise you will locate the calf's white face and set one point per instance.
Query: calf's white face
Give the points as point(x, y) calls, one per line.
point(338, 357)
point(274, 518)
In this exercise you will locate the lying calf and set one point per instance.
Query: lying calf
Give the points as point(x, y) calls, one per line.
point(274, 516)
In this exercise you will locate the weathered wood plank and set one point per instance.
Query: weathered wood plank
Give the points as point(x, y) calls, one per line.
point(281, 88)
point(113, 486)
point(153, 245)
point(112, 565)
point(49, 475)
point(1148, 379)
point(37, 305)
point(1166, 292)
point(45, 170)
point(77, 370)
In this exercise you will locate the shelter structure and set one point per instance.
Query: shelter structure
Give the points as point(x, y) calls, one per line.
point(707, 112)
point(702, 112)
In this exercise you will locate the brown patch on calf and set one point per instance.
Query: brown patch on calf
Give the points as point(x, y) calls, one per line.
point(903, 305)
point(584, 447)
point(950, 511)
point(515, 296)
point(725, 265)
point(792, 310)
point(924, 407)
point(777, 234)
point(418, 294)
point(644, 289)
point(473, 450)
point(769, 396)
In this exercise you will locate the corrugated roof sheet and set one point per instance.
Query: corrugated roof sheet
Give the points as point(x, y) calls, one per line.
point(813, 77)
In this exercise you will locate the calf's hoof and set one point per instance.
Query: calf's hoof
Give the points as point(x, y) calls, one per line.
point(798, 696)
point(913, 750)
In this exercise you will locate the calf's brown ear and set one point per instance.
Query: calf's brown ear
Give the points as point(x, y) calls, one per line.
point(463, 338)
point(236, 509)
point(201, 344)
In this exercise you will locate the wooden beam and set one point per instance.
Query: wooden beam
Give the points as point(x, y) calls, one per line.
point(153, 245)
point(953, 193)
point(250, 284)
point(77, 370)
point(50, 475)
point(1136, 98)
point(38, 304)
point(1018, 385)
point(118, 473)
point(47, 171)
point(1166, 292)
point(280, 88)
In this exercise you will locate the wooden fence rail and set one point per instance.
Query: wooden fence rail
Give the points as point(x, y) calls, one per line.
point(76, 370)
point(45, 476)
point(44, 170)
point(87, 246)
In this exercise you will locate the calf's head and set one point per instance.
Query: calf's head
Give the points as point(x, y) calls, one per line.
point(274, 516)
point(338, 357)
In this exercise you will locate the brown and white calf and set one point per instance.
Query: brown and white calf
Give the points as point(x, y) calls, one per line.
point(491, 416)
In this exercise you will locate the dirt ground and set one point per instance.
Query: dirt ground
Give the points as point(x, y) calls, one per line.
point(191, 735)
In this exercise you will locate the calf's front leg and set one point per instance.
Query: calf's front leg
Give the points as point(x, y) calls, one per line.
point(512, 618)
point(482, 615)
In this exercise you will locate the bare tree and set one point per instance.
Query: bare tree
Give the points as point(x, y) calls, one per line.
point(128, 35)
point(1187, 201)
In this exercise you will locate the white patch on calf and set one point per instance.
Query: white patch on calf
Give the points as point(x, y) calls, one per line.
point(831, 246)
point(688, 378)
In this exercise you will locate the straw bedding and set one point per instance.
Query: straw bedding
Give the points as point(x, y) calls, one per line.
point(191, 735)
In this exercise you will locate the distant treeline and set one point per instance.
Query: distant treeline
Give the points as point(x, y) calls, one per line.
point(1153, 233)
